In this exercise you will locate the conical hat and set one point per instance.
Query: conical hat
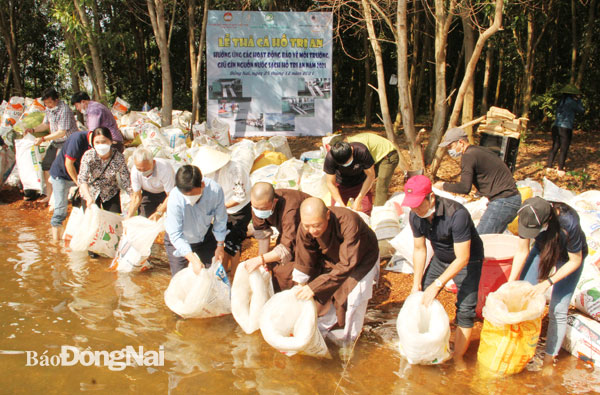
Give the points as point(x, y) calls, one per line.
point(570, 89)
point(209, 159)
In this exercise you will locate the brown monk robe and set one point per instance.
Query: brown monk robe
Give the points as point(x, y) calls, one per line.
point(335, 251)
point(281, 209)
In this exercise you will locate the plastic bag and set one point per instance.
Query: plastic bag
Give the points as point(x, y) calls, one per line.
point(424, 332)
point(314, 182)
point(268, 158)
point(243, 152)
point(249, 293)
point(511, 328)
point(536, 187)
point(264, 174)
point(135, 244)
point(290, 325)
point(288, 175)
point(199, 296)
point(554, 193)
point(120, 107)
point(175, 136)
point(586, 201)
point(99, 232)
point(13, 111)
point(220, 132)
point(29, 121)
point(404, 245)
point(280, 144)
point(29, 161)
point(74, 224)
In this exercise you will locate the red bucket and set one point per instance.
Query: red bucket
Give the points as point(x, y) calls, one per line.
point(499, 250)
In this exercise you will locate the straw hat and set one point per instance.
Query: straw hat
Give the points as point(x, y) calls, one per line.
point(570, 89)
point(209, 159)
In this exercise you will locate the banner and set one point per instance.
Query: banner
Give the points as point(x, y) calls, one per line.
point(269, 73)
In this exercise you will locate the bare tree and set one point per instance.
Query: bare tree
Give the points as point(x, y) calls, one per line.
point(196, 56)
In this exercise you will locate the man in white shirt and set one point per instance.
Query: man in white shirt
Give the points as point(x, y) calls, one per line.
point(151, 181)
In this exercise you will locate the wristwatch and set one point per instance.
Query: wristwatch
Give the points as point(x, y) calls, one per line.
point(438, 283)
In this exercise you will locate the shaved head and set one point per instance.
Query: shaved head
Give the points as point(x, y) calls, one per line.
point(314, 216)
point(313, 207)
point(262, 192)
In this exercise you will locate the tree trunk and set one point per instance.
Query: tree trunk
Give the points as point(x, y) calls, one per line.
point(8, 30)
point(191, 8)
point(443, 20)
point(500, 70)
point(573, 41)
point(368, 91)
point(418, 94)
point(486, 78)
point(198, 68)
point(89, 70)
point(156, 10)
point(100, 94)
point(587, 43)
point(383, 102)
point(404, 97)
point(469, 44)
point(469, 72)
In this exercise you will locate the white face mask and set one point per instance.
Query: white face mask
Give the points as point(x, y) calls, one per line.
point(349, 162)
point(147, 173)
point(102, 149)
point(192, 199)
point(544, 228)
point(453, 153)
point(83, 111)
point(429, 212)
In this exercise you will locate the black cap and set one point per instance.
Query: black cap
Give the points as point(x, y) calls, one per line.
point(534, 213)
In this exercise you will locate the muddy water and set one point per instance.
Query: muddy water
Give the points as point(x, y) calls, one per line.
point(50, 298)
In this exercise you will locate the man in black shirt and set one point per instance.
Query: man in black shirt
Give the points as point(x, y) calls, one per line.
point(490, 175)
point(350, 170)
point(457, 254)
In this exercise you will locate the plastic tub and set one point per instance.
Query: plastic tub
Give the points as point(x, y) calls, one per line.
point(499, 250)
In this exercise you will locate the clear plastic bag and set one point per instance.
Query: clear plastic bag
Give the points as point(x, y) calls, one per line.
point(199, 296)
point(134, 247)
point(249, 293)
point(290, 325)
point(424, 332)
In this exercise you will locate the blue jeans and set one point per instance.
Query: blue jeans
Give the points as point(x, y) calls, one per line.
point(60, 187)
point(499, 214)
point(559, 302)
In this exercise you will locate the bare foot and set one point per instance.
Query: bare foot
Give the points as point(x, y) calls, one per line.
point(460, 365)
point(549, 363)
point(46, 199)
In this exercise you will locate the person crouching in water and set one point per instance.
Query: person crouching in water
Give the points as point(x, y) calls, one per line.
point(337, 261)
point(457, 254)
point(559, 244)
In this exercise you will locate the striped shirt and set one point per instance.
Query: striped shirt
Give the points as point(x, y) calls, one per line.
point(61, 118)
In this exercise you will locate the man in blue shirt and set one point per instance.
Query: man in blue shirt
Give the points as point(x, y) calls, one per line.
point(196, 222)
point(63, 176)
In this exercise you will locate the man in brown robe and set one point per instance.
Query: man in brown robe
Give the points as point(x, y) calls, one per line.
point(337, 258)
point(279, 209)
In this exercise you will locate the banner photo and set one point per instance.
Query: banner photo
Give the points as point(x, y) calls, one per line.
point(269, 73)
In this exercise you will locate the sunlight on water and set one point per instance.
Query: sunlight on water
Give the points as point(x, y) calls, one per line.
point(51, 297)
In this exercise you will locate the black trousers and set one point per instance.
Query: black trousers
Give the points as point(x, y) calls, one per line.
point(561, 140)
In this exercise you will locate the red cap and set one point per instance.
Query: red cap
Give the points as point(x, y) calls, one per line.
point(416, 189)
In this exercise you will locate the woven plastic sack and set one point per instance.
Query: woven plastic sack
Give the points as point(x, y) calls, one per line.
point(554, 193)
point(536, 187)
point(264, 174)
point(243, 152)
point(511, 329)
point(120, 107)
point(135, 244)
point(268, 158)
point(313, 181)
point(385, 222)
point(220, 132)
point(288, 175)
point(280, 144)
point(249, 293)
point(290, 325)
point(99, 232)
point(204, 295)
point(74, 224)
point(424, 332)
point(13, 111)
point(29, 162)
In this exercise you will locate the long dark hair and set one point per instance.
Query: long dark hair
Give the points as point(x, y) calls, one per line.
point(550, 242)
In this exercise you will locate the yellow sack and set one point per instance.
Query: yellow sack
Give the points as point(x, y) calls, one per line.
point(526, 193)
point(268, 158)
point(511, 329)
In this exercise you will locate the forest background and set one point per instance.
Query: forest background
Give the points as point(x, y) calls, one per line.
point(403, 64)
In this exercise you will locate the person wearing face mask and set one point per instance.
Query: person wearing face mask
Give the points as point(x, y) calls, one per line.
point(457, 254)
point(151, 181)
point(350, 170)
point(235, 181)
point(280, 209)
point(559, 244)
point(103, 172)
point(337, 264)
point(96, 115)
point(489, 174)
point(196, 222)
point(61, 123)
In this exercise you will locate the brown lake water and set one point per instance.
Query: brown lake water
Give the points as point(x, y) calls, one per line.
point(51, 298)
